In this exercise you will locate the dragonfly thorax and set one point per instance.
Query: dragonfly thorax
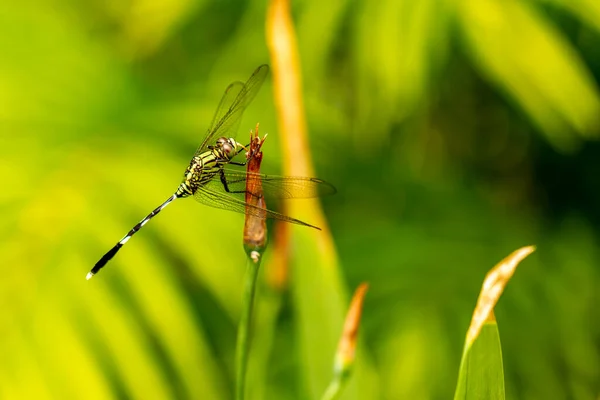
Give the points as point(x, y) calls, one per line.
point(206, 165)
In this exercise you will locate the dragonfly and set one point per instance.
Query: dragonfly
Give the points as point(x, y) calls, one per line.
point(210, 181)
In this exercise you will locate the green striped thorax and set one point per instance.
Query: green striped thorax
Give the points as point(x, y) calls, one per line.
point(204, 166)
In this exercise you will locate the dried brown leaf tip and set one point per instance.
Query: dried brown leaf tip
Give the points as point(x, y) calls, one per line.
point(255, 227)
point(493, 286)
point(344, 358)
point(283, 49)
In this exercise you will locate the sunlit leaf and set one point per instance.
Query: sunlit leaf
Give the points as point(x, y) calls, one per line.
point(318, 26)
point(400, 42)
point(522, 53)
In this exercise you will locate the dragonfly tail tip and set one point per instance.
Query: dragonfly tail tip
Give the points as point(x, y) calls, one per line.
point(89, 276)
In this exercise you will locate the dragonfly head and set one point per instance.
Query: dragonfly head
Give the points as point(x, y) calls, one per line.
point(229, 147)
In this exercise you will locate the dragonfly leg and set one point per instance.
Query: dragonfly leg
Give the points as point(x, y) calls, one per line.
point(226, 186)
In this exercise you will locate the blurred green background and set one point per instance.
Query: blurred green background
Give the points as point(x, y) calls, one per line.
point(455, 131)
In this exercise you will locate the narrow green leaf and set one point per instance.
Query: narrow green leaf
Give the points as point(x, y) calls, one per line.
point(319, 300)
point(481, 374)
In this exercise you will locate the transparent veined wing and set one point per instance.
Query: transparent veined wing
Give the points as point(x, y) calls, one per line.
point(275, 186)
point(229, 113)
point(226, 201)
point(231, 93)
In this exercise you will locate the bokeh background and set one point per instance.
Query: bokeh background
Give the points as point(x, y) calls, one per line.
point(455, 132)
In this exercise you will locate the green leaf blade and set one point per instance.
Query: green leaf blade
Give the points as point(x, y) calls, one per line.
point(481, 373)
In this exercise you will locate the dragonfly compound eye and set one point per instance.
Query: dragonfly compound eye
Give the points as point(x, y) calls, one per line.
point(227, 148)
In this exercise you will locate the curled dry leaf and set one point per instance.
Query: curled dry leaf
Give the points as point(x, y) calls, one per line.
point(493, 286)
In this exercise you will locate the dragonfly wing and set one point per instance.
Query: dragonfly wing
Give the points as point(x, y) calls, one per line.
point(231, 93)
point(278, 187)
point(226, 201)
point(231, 108)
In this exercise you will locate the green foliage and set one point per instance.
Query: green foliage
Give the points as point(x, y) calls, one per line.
point(481, 375)
point(437, 121)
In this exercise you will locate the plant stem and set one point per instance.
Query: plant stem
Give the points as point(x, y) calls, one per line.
point(243, 336)
point(333, 390)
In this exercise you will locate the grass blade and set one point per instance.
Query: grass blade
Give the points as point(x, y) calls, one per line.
point(481, 374)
